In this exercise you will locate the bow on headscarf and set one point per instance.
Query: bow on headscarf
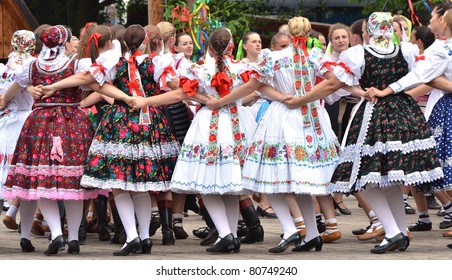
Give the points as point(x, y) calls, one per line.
point(94, 37)
point(222, 83)
point(300, 43)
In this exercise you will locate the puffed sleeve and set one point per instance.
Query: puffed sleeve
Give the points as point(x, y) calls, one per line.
point(433, 66)
point(104, 68)
point(165, 68)
point(265, 70)
point(409, 52)
point(23, 73)
point(349, 65)
point(191, 79)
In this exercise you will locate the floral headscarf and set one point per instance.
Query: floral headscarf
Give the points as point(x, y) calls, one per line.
point(23, 44)
point(380, 29)
point(53, 55)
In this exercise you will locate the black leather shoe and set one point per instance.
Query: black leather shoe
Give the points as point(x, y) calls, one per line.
point(73, 247)
point(343, 211)
point(133, 246)
point(396, 242)
point(264, 213)
point(226, 244)
point(420, 226)
point(201, 232)
point(254, 235)
point(210, 238)
point(361, 231)
point(104, 232)
point(168, 237)
point(146, 246)
point(316, 243)
point(294, 239)
point(26, 245)
point(449, 246)
point(447, 223)
point(55, 246)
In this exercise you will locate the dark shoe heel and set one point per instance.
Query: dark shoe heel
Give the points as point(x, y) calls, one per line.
point(104, 233)
point(73, 247)
point(146, 246)
point(26, 245)
point(55, 246)
point(133, 246)
point(168, 237)
point(226, 244)
point(316, 243)
point(294, 239)
point(254, 235)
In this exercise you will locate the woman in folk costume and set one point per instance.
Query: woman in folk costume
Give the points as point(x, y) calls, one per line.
point(14, 115)
point(292, 152)
point(213, 151)
point(50, 154)
point(387, 144)
point(437, 63)
point(132, 153)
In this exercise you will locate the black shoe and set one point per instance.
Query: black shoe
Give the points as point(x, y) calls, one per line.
point(449, 246)
point(420, 226)
point(445, 224)
point(201, 232)
point(294, 239)
point(73, 247)
point(146, 246)
point(226, 244)
point(264, 213)
point(179, 232)
point(440, 213)
point(432, 203)
point(361, 231)
point(316, 243)
point(396, 242)
point(191, 204)
point(119, 238)
point(168, 237)
point(344, 211)
point(409, 210)
point(242, 230)
point(155, 223)
point(26, 245)
point(321, 226)
point(210, 238)
point(254, 235)
point(55, 246)
point(133, 246)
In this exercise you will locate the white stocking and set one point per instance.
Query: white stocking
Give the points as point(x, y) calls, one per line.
point(126, 211)
point(51, 212)
point(217, 210)
point(232, 211)
point(142, 204)
point(307, 210)
point(281, 209)
point(74, 214)
point(27, 211)
point(395, 200)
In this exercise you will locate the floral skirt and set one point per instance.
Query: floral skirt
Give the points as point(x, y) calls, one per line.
point(50, 156)
point(440, 122)
point(388, 143)
point(129, 156)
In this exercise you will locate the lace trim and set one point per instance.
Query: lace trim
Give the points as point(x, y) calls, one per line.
point(395, 177)
point(350, 151)
point(57, 104)
point(88, 181)
point(58, 194)
point(194, 187)
point(134, 151)
point(46, 170)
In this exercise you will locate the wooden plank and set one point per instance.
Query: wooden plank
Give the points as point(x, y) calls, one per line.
point(3, 55)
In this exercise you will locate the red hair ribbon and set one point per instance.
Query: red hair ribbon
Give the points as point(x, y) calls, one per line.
point(189, 86)
point(222, 83)
point(300, 43)
point(134, 87)
point(419, 57)
point(95, 36)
